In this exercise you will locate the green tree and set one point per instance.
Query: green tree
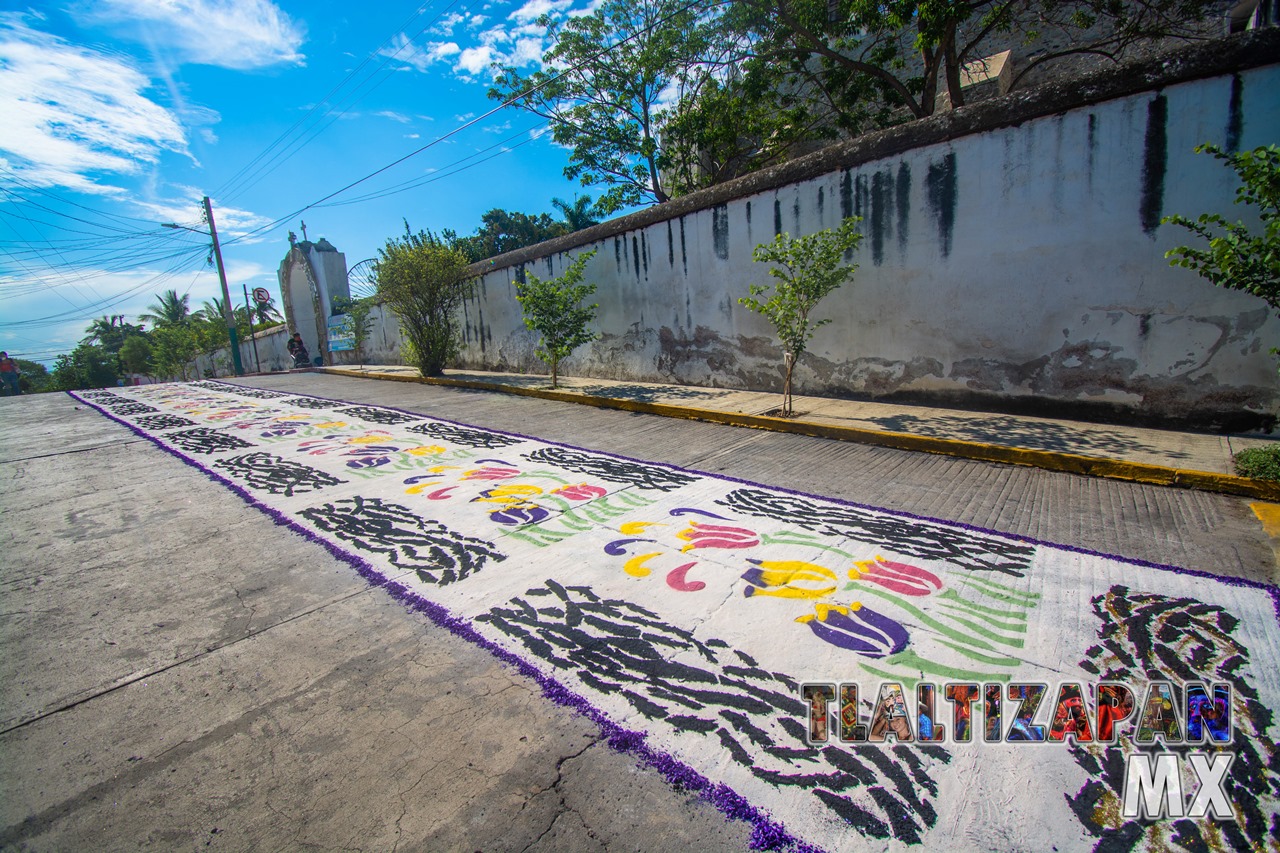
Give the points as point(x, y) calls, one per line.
point(502, 231)
point(806, 270)
point(553, 308)
point(35, 376)
point(169, 309)
point(731, 128)
point(87, 366)
point(172, 348)
point(857, 58)
point(135, 355)
point(210, 325)
point(424, 282)
point(1237, 257)
point(603, 85)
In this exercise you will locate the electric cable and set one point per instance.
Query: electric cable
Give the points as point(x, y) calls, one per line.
point(471, 123)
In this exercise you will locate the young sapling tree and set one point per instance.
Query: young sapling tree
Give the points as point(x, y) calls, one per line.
point(554, 309)
point(805, 270)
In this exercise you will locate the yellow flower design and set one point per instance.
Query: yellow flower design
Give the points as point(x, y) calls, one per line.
point(789, 579)
point(425, 450)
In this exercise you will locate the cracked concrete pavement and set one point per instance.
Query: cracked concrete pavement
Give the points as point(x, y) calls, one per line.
point(179, 672)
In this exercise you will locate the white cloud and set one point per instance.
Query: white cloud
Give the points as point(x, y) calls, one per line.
point(446, 24)
point(187, 208)
point(495, 35)
point(465, 117)
point(526, 52)
point(519, 43)
point(412, 136)
point(394, 116)
point(473, 60)
point(500, 128)
point(534, 9)
point(240, 34)
point(71, 113)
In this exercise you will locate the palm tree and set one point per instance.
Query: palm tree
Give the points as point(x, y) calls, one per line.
point(210, 312)
point(104, 329)
point(170, 309)
point(265, 312)
point(578, 215)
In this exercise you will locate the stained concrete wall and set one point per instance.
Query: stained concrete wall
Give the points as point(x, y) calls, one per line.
point(1013, 257)
point(381, 347)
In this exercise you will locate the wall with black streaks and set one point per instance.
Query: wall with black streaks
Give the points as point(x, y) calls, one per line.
point(1015, 267)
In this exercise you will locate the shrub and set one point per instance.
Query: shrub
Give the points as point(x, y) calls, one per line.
point(1260, 463)
point(423, 281)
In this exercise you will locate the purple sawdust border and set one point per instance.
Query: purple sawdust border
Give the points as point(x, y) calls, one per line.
point(1229, 580)
point(766, 833)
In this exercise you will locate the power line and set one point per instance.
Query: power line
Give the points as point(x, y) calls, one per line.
point(440, 174)
point(237, 183)
point(506, 103)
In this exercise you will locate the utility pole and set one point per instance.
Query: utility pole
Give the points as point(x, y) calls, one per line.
point(253, 336)
point(230, 316)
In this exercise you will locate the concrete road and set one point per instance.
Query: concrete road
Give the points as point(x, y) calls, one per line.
point(181, 673)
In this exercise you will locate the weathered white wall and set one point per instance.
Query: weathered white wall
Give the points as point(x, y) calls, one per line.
point(272, 354)
point(382, 347)
point(1015, 265)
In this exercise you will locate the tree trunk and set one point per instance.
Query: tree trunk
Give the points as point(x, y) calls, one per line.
point(787, 410)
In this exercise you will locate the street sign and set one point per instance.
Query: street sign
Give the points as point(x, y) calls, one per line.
point(260, 294)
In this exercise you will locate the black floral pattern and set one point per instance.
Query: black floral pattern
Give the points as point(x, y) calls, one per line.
point(438, 555)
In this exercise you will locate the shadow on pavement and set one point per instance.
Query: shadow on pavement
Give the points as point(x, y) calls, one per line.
point(1020, 433)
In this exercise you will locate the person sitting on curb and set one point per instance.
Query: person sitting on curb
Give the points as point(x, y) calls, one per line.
point(297, 349)
point(10, 374)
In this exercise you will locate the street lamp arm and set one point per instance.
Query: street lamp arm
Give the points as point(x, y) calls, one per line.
point(183, 227)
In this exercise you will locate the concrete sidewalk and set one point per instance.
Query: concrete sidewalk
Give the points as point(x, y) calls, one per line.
point(1134, 454)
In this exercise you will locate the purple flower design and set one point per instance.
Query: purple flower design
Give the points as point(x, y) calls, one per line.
point(520, 514)
point(857, 628)
point(368, 461)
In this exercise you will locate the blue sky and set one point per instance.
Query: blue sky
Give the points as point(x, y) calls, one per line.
point(119, 115)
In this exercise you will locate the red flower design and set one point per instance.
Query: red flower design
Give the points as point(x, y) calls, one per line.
point(580, 492)
point(700, 535)
point(491, 473)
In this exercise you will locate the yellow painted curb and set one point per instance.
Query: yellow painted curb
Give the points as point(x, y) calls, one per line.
point(1091, 466)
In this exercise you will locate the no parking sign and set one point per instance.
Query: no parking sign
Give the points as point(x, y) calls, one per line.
point(261, 296)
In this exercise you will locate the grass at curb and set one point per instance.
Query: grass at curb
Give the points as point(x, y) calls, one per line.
point(1260, 463)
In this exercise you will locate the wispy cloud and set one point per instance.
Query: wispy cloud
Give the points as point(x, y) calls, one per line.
point(410, 55)
point(72, 115)
point(520, 44)
point(239, 34)
point(185, 207)
point(394, 116)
